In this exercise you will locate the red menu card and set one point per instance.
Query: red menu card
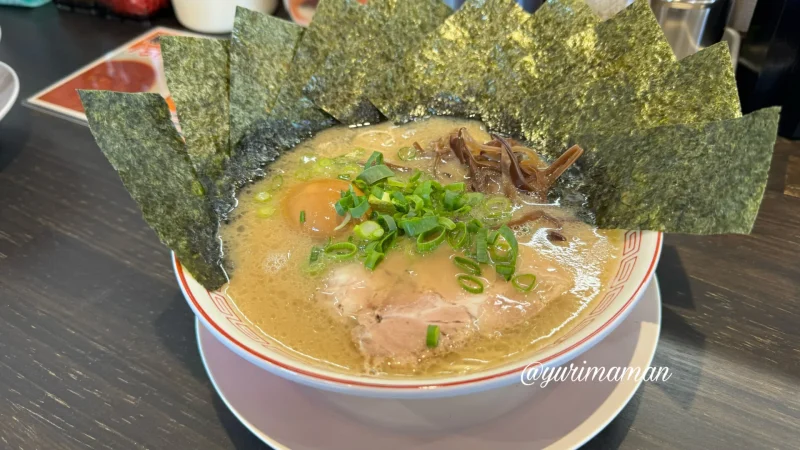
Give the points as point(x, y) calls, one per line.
point(133, 67)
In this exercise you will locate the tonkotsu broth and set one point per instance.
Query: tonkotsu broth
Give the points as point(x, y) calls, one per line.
point(271, 285)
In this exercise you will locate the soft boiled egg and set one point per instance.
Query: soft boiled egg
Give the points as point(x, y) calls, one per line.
point(315, 200)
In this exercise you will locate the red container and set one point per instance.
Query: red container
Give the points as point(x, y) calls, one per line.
point(135, 9)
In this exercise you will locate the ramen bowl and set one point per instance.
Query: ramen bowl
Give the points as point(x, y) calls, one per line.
point(441, 402)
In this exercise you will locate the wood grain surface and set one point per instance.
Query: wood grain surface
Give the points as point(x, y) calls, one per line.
point(97, 345)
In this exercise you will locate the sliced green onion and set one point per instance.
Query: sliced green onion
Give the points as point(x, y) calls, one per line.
point(415, 177)
point(360, 184)
point(386, 243)
point(368, 230)
point(373, 174)
point(431, 239)
point(501, 252)
point(452, 200)
point(463, 210)
point(315, 254)
point(497, 206)
point(447, 223)
point(302, 217)
point(325, 162)
point(407, 153)
point(456, 187)
point(344, 176)
point(505, 270)
point(394, 182)
point(481, 247)
point(419, 225)
point(457, 237)
point(524, 282)
point(473, 198)
point(360, 207)
point(491, 238)
point(341, 250)
point(424, 191)
point(374, 159)
point(382, 204)
point(373, 259)
point(265, 211)
point(432, 336)
point(474, 225)
point(469, 283)
point(467, 265)
point(387, 222)
point(511, 242)
point(419, 203)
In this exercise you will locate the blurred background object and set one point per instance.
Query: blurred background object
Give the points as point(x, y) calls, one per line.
point(769, 63)
point(128, 9)
point(216, 16)
point(26, 3)
point(607, 8)
point(302, 11)
point(691, 25)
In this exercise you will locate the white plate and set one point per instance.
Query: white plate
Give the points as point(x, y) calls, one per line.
point(9, 88)
point(284, 414)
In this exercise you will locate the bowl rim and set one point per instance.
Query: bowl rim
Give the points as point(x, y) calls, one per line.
point(438, 389)
point(4, 109)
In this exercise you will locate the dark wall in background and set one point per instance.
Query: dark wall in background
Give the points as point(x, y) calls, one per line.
point(769, 64)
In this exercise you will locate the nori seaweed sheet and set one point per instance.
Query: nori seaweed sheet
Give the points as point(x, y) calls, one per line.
point(337, 81)
point(536, 39)
point(445, 74)
point(699, 179)
point(262, 48)
point(136, 134)
point(196, 70)
point(699, 88)
point(381, 34)
point(321, 38)
point(667, 148)
point(630, 44)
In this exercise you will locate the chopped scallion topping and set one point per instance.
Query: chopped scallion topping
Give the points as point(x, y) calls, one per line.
point(431, 239)
point(432, 336)
point(524, 282)
point(407, 153)
point(368, 230)
point(341, 250)
point(467, 265)
point(302, 217)
point(469, 283)
point(481, 246)
point(373, 174)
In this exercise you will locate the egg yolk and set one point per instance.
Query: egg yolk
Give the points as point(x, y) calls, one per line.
point(316, 200)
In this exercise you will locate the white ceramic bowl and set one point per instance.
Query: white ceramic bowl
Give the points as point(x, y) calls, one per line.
point(9, 88)
point(216, 16)
point(641, 251)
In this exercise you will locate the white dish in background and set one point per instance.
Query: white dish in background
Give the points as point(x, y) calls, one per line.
point(286, 415)
point(215, 16)
point(9, 88)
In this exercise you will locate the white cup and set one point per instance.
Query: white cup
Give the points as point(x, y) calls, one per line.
point(216, 16)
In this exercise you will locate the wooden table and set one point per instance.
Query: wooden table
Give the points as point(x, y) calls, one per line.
point(97, 346)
